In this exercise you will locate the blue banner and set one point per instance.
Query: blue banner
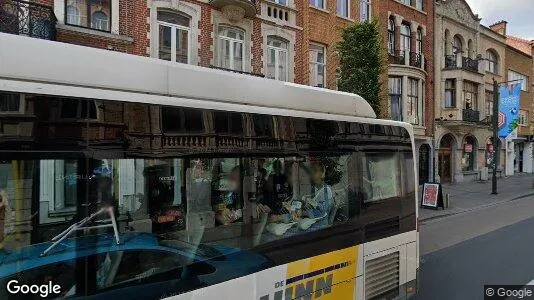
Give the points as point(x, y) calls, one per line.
point(509, 103)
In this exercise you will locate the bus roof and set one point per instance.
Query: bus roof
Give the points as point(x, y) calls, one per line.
point(71, 65)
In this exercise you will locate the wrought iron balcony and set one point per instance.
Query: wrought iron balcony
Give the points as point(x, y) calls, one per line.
point(27, 18)
point(470, 64)
point(416, 60)
point(450, 61)
point(399, 58)
point(470, 115)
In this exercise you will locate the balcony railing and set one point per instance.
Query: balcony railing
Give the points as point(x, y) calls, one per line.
point(469, 64)
point(27, 18)
point(450, 61)
point(416, 60)
point(470, 115)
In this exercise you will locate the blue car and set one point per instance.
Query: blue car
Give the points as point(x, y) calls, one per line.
point(140, 267)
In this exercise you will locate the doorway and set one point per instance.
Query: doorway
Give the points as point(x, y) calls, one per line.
point(445, 161)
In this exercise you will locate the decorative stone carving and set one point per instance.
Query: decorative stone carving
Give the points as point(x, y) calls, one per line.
point(233, 13)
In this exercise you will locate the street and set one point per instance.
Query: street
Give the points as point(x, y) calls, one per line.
point(489, 244)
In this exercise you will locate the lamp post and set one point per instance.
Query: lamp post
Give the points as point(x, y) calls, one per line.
point(496, 141)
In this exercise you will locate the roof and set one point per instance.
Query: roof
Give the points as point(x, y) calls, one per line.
point(520, 44)
point(79, 66)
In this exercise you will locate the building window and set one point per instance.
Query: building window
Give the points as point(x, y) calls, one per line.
point(318, 3)
point(491, 59)
point(414, 103)
point(407, 2)
point(317, 65)
point(419, 43)
point(180, 120)
point(523, 118)
point(456, 45)
point(450, 93)
point(406, 39)
point(281, 2)
point(391, 36)
point(277, 59)
point(489, 103)
point(365, 10)
point(470, 95)
point(518, 78)
point(419, 4)
point(343, 7)
point(228, 122)
point(469, 154)
point(395, 97)
point(84, 109)
point(89, 13)
point(173, 37)
point(231, 48)
point(10, 103)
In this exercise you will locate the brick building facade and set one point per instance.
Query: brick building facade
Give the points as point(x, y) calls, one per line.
point(408, 31)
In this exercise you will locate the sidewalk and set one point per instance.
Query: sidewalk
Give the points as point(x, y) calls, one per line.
point(473, 195)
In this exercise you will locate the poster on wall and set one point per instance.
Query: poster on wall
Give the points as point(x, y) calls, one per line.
point(432, 196)
point(509, 104)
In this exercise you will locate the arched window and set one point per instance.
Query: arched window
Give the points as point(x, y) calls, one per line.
point(419, 44)
point(100, 21)
point(391, 36)
point(173, 36)
point(73, 16)
point(277, 61)
point(456, 45)
point(492, 61)
point(406, 38)
point(231, 48)
point(470, 49)
point(469, 153)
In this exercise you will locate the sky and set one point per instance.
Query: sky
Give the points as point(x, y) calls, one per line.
point(518, 13)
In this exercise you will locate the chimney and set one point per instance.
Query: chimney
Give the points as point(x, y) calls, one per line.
point(499, 27)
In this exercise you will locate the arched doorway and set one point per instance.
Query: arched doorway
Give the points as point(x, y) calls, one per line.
point(445, 158)
point(424, 163)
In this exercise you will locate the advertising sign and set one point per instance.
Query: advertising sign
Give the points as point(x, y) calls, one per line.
point(509, 98)
point(430, 194)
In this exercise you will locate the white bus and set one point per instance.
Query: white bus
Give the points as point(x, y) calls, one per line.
point(134, 178)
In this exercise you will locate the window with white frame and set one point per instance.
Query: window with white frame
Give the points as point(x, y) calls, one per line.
point(391, 36)
point(317, 65)
point(523, 118)
point(231, 51)
point(515, 77)
point(343, 8)
point(489, 103)
point(318, 3)
point(414, 102)
point(419, 4)
point(11, 103)
point(277, 58)
point(470, 95)
point(491, 61)
point(365, 10)
point(89, 13)
point(173, 36)
point(395, 97)
point(407, 2)
point(406, 39)
point(419, 42)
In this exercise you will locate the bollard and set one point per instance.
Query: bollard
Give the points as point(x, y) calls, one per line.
point(447, 201)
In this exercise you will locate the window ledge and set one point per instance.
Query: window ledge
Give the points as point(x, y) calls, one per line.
point(345, 18)
point(62, 212)
point(320, 9)
point(412, 7)
point(106, 35)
